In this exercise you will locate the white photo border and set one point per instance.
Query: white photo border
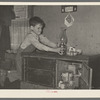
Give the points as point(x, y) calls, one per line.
point(5, 93)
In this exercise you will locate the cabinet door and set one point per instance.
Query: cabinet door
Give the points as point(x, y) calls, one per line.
point(39, 71)
point(85, 81)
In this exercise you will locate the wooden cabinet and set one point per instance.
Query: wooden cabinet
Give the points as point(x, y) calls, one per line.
point(47, 69)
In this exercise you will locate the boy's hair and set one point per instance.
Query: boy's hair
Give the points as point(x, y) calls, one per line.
point(36, 20)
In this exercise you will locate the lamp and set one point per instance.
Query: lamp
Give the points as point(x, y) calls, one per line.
point(63, 40)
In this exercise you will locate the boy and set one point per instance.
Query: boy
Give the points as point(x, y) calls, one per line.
point(37, 40)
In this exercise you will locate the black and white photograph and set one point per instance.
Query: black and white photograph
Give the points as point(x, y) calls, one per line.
point(50, 47)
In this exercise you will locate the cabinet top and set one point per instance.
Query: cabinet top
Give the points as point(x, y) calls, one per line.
point(51, 55)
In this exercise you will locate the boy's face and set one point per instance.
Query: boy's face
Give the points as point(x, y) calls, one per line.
point(37, 29)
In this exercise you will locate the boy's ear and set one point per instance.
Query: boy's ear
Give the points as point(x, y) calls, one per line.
point(31, 27)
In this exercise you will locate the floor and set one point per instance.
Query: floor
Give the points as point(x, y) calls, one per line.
point(10, 85)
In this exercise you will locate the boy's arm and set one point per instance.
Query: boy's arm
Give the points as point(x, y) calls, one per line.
point(43, 47)
point(47, 42)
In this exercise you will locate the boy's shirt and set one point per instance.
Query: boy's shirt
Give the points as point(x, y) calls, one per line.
point(39, 42)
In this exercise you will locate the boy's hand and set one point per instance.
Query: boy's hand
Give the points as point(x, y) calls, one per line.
point(60, 51)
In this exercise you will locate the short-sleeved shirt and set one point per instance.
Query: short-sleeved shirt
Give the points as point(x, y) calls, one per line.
point(38, 41)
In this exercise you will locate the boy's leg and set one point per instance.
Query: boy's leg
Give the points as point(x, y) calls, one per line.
point(19, 63)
